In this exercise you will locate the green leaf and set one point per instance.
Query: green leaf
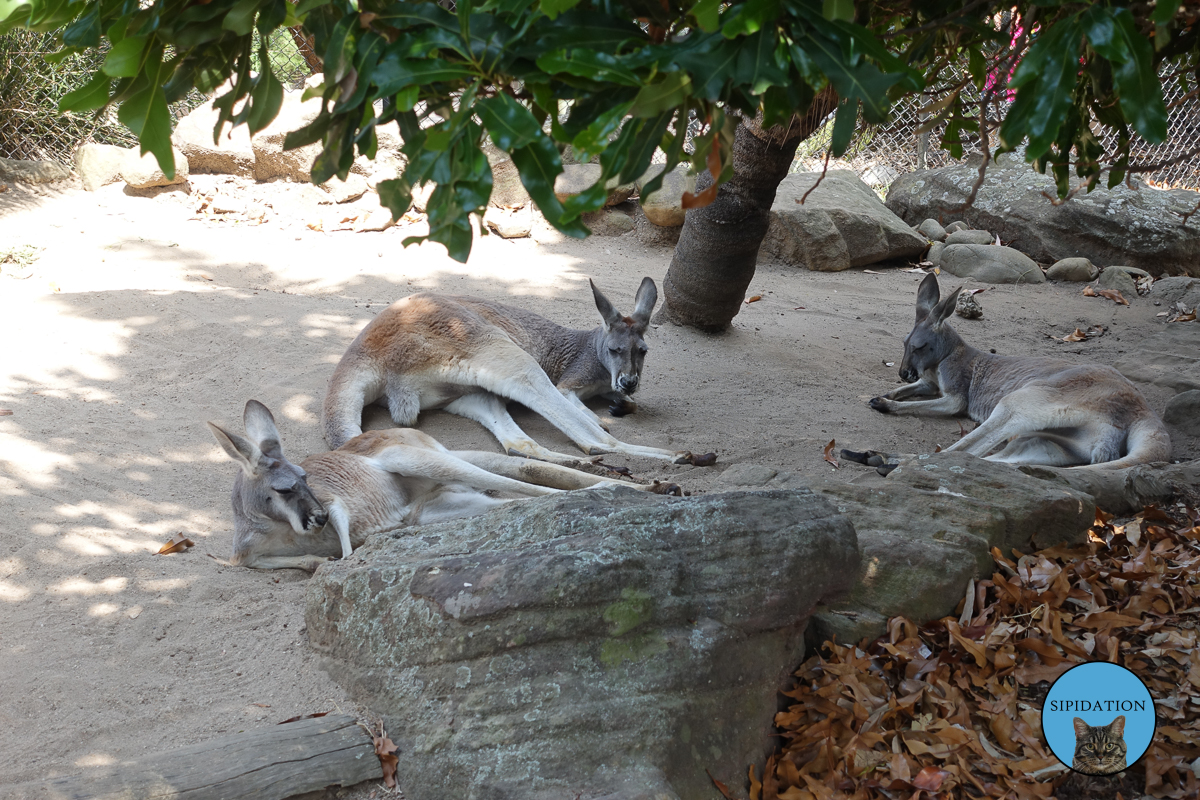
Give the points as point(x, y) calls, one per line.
point(271, 16)
point(708, 15)
point(125, 58)
point(589, 64)
point(1044, 98)
point(89, 97)
point(539, 164)
point(1164, 11)
point(395, 195)
point(594, 138)
point(509, 123)
point(844, 126)
point(13, 13)
point(240, 18)
point(749, 17)
point(1114, 35)
point(146, 114)
point(838, 10)
point(343, 43)
point(640, 147)
point(862, 81)
point(757, 67)
point(668, 92)
point(711, 69)
point(552, 8)
point(394, 73)
point(85, 31)
point(267, 96)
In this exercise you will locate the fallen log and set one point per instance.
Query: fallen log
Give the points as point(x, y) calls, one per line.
point(1125, 491)
point(268, 764)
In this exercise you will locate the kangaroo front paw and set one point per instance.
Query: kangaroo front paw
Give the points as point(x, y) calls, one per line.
point(310, 565)
point(881, 404)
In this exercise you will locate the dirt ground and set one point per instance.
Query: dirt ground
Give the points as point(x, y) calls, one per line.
point(138, 322)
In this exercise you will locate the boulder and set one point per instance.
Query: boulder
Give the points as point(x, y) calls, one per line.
point(1128, 490)
point(842, 224)
point(507, 189)
point(748, 475)
point(1170, 291)
point(957, 225)
point(1073, 269)
point(509, 224)
point(934, 256)
point(603, 643)
point(1168, 357)
point(653, 235)
point(1183, 412)
point(1139, 226)
point(24, 171)
point(231, 154)
point(989, 263)
point(144, 172)
point(970, 237)
point(339, 191)
point(928, 529)
point(932, 230)
point(577, 178)
point(100, 164)
point(609, 222)
point(664, 207)
point(271, 161)
point(879, 176)
point(1117, 279)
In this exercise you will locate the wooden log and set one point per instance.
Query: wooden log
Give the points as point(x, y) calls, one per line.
point(268, 764)
point(1126, 491)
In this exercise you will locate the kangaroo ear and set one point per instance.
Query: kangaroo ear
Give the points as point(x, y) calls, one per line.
point(942, 311)
point(240, 449)
point(927, 296)
point(643, 304)
point(1117, 726)
point(260, 427)
point(1081, 728)
point(608, 313)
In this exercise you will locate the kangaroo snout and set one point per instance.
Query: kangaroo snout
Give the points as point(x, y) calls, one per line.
point(908, 375)
point(628, 383)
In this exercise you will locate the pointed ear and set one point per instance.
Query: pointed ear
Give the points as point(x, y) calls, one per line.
point(643, 304)
point(609, 314)
point(260, 427)
point(927, 296)
point(1081, 728)
point(942, 311)
point(241, 450)
point(1117, 726)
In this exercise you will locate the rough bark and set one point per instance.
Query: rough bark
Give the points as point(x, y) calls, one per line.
point(718, 246)
point(304, 44)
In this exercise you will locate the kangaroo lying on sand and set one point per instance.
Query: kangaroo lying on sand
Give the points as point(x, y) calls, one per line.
point(1049, 411)
point(470, 357)
point(299, 516)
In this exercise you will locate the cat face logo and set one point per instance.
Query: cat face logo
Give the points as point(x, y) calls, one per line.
point(1081, 724)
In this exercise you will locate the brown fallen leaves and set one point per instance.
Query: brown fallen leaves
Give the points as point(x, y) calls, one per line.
point(386, 749)
point(953, 708)
point(176, 544)
point(1079, 335)
point(829, 454)
point(1111, 294)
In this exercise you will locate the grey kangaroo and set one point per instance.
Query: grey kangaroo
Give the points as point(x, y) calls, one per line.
point(1043, 410)
point(470, 357)
point(298, 516)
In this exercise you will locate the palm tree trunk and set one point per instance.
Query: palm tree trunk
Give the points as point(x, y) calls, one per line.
point(718, 246)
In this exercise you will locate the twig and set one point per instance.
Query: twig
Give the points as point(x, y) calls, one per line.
point(824, 169)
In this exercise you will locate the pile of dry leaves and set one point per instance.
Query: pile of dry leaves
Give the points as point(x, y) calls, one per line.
point(952, 709)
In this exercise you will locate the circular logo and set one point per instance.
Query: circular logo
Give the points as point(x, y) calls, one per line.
point(1098, 718)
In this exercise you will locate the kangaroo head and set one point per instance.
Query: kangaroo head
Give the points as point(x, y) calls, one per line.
point(622, 349)
point(931, 339)
point(269, 489)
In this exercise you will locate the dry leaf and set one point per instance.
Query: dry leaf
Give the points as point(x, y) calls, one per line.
point(304, 716)
point(386, 749)
point(753, 299)
point(1114, 295)
point(930, 779)
point(872, 272)
point(176, 544)
point(706, 460)
point(829, 454)
point(722, 788)
point(1077, 336)
point(6, 412)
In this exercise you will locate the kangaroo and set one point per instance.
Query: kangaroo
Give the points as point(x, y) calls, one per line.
point(298, 516)
point(470, 357)
point(1045, 411)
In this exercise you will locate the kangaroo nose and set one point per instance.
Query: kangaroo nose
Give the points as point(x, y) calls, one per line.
point(320, 519)
point(909, 375)
point(628, 382)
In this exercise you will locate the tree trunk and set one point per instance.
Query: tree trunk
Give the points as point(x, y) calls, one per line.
point(304, 44)
point(718, 246)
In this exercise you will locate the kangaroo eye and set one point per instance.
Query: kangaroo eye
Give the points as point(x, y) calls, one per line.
point(616, 351)
point(285, 491)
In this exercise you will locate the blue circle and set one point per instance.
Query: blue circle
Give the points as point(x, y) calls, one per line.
point(1098, 692)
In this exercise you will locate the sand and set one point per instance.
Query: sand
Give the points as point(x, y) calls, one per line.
point(137, 323)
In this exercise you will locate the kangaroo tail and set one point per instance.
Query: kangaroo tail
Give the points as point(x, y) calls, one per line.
point(341, 414)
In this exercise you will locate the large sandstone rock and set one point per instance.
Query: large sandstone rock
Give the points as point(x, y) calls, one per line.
point(1170, 291)
point(143, 172)
point(989, 263)
point(1072, 269)
point(1183, 412)
point(507, 189)
point(100, 164)
point(23, 171)
point(842, 224)
point(578, 178)
point(232, 154)
point(603, 643)
point(1168, 357)
point(271, 161)
point(1109, 226)
point(664, 207)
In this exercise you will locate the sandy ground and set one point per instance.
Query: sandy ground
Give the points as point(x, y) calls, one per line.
point(137, 324)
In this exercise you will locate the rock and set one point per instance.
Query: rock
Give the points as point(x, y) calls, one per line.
point(609, 222)
point(232, 154)
point(271, 161)
point(380, 219)
point(934, 256)
point(664, 207)
point(1170, 291)
point(607, 641)
point(1113, 226)
point(507, 189)
point(990, 263)
point(841, 208)
point(1129, 490)
point(1168, 357)
point(339, 191)
point(879, 176)
point(748, 475)
point(1072, 269)
point(956, 226)
point(654, 235)
point(509, 224)
point(1117, 279)
point(927, 529)
point(578, 178)
point(1183, 413)
point(970, 237)
point(967, 306)
point(23, 171)
point(932, 230)
point(100, 164)
point(144, 172)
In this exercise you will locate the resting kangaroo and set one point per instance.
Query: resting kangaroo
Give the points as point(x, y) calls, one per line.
point(1049, 411)
point(298, 516)
point(470, 357)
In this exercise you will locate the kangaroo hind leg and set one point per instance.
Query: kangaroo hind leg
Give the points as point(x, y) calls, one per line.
point(490, 411)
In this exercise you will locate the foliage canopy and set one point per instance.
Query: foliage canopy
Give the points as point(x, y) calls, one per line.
point(618, 79)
